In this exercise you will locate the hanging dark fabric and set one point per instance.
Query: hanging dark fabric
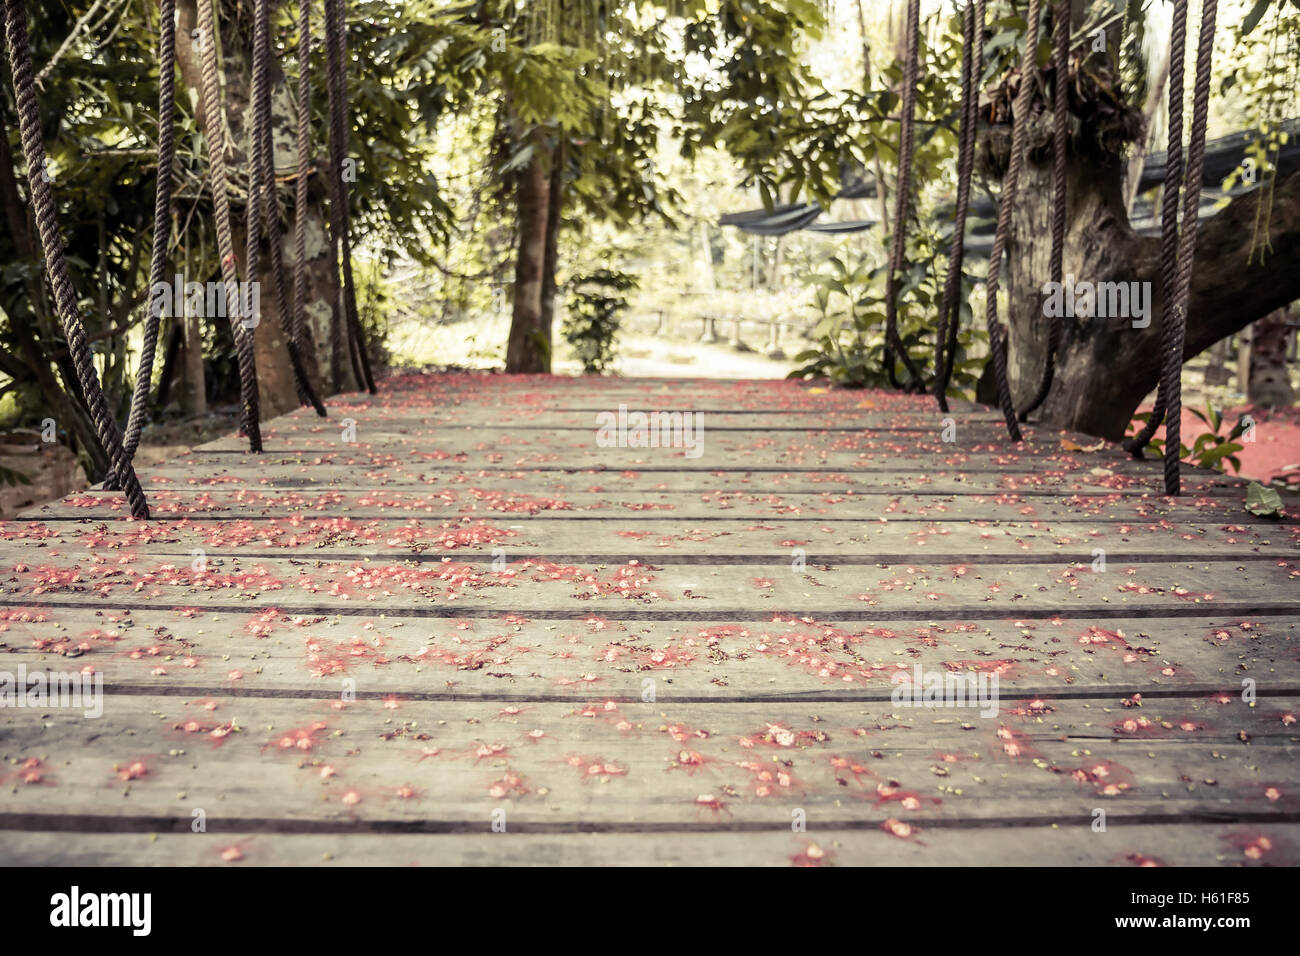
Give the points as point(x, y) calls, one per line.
point(56, 265)
point(1010, 182)
point(972, 67)
point(1060, 142)
point(898, 245)
point(215, 123)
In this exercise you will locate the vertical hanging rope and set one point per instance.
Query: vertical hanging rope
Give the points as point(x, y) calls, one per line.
point(1010, 182)
point(1176, 338)
point(1168, 211)
point(162, 223)
point(270, 207)
point(215, 122)
point(1060, 141)
point(340, 224)
point(898, 248)
point(56, 266)
point(972, 66)
point(296, 332)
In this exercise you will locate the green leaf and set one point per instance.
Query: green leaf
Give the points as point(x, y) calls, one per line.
point(1256, 14)
point(1263, 502)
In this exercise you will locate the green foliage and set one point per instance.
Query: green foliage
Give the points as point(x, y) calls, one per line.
point(1212, 449)
point(850, 334)
point(591, 322)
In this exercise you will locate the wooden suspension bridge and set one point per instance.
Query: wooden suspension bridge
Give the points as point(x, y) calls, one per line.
point(448, 626)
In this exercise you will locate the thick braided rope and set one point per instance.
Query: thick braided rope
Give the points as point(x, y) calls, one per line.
point(256, 151)
point(1168, 213)
point(972, 24)
point(304, 167)
point(1177, 337)
point(161, 228)
point(161, 215)
point(1010, 182)
point(270, 206)
point(977, 72)
point(215, 123)
point(906, 139)
point(340, 216)
point(56, 266)
point(1060, 143)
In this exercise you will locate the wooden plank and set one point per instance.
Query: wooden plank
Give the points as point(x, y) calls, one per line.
point(494, 497)
point(533, 588)
point(556, 535)
point(145, 650)
point(1015, 845)
point(451, 764)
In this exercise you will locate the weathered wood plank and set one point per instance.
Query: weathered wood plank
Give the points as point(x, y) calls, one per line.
point(1015, 845)
point(144, 650)
point(452, 764)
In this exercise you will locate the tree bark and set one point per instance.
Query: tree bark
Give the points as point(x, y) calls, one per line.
point(1106, 366)
point(529, 346)
point(1270, 384)
point(554, 212)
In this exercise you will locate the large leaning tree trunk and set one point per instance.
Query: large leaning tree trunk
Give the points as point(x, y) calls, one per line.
point(1106, 366)
point(277, 391)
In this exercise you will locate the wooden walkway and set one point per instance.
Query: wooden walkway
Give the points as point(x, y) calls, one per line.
point(473, 618)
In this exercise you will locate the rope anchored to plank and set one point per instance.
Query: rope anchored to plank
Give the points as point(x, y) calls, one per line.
point(1060, 141)
point(56, 266)
point(215, 123)
point(972, 60)
point(1178, 244)
point(1010, 182)
point(262, 182)
point(893, 342)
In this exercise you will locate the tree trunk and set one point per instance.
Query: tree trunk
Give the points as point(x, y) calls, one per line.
point(554, 212)
point(529, 346)
point(1107, 366)
point(1270, 383)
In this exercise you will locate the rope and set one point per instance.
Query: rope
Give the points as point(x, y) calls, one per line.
point(215, 122)
point(893, 342)
point(65, 296)
point(1168, 212)
point(161, 227)
point(1176, 328)
point(340, 217)
point(1009, 184)
point(972, 65)
point(1060, 138)
point(265, 173)
point(298, 323)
